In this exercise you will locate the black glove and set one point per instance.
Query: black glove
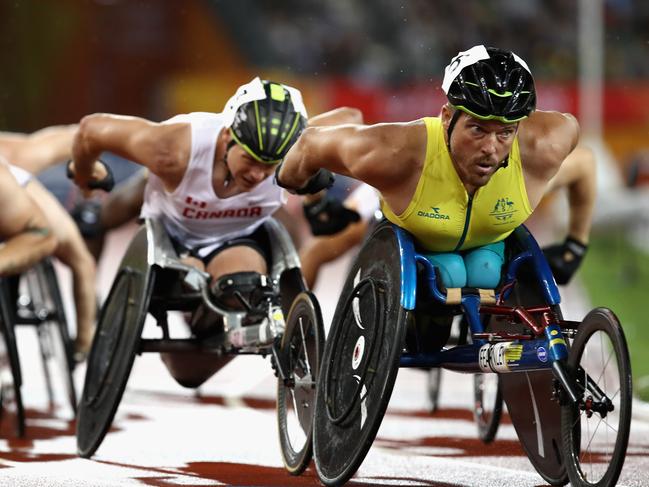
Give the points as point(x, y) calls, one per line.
point(323, 179)
point(105, 184)
point(565, 258)
point(86, 215)
point(328, 216)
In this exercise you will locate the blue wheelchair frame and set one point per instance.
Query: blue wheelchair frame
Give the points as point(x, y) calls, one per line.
point(543, 348)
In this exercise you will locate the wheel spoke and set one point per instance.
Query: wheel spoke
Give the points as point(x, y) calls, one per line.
point(306, 350)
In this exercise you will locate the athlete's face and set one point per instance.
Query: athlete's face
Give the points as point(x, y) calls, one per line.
point(247, 172)
point(478, 147)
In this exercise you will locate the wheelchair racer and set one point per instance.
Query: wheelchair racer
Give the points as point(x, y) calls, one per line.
point(462, 182)
point(208, 180)
point(27, 154)
point(327, 246)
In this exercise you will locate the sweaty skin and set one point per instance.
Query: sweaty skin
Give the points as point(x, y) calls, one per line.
point(25, 234)
point(577, 172)
point(36, 152)
point(40, 150)
point(390, 156)
point(164, 149)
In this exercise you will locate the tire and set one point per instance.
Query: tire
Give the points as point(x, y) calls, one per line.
point(433, 386)
point(54, 339)
point(109, 363)
point(488, 405)
point(595, 446)
point(361, 359)
point(114, 347)
point(302, 348)
point(11, 401)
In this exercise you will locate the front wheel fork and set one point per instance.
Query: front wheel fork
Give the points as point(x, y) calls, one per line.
point(567, 384)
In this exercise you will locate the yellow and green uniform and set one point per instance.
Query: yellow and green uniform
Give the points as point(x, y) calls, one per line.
point(444, 218)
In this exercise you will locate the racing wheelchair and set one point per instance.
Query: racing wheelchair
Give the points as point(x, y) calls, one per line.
point(151, 280)
point(567, 385)
point(34, 299)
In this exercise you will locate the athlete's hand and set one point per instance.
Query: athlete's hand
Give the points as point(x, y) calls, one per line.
point(321, 180)
point(328, 216)
point(565, 258)
point(101, 178)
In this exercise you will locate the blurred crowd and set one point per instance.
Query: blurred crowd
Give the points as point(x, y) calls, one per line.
point(387, 41)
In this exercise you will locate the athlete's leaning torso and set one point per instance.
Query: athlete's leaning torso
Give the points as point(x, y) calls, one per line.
point(192, 213)
point(444, 218)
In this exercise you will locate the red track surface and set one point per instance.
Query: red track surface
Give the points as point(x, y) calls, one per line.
point(164, 435)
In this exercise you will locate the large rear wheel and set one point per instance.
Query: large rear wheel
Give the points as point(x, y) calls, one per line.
point(114, 347)
point(53, 336)
point(301, 351)
point(361, 359)
point(11, 403)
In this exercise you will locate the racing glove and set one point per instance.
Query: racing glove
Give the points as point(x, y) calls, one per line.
point(323, 179)
point(106, 184)
point(565, 258)
point(328, 216)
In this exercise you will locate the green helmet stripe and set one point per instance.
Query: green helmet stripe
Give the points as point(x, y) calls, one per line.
point(261, 143)
point(494, 92)
point(277, 92)
point(489, 117)
point(501, 95)
point(290, 134)
point(250, 151)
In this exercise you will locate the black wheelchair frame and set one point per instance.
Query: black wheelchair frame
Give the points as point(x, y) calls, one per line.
point(152, 280)
point(34, 299)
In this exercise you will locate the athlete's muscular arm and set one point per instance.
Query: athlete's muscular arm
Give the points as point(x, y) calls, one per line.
point(23, 228)
point(578, 173)
point(337, 116)
point(40, 150)
point(162, 148)
point(546, 139)
point(385, 156)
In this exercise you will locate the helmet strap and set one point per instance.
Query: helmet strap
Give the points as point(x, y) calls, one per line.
point(228, 174)
point(451, 125)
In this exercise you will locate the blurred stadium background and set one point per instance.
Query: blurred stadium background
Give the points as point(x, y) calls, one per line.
point(62, 59)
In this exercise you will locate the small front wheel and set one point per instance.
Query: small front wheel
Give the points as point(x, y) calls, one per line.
point(595, 431)
point(301, 351)
point(488, 405)
point(434, 384)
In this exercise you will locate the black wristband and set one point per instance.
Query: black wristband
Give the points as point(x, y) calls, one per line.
point(575, 246)
point(105, 184)
point(323, 179)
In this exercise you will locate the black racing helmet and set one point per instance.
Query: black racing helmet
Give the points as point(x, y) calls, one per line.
point(267, 125)
point(490, 84)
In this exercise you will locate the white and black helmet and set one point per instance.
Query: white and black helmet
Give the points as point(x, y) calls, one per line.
point(265, 119)
point(490, 84)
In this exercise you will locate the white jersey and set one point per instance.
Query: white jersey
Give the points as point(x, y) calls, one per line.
point(193, 214)
point(20, 175)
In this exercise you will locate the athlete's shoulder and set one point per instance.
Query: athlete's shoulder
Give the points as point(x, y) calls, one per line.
point(546, 138)
point(200, 118)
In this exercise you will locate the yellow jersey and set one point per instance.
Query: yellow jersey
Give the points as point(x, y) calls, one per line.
point(444, 218)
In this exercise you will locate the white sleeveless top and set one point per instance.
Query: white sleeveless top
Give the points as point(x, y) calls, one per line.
point(192, 213)
point(20, 175)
